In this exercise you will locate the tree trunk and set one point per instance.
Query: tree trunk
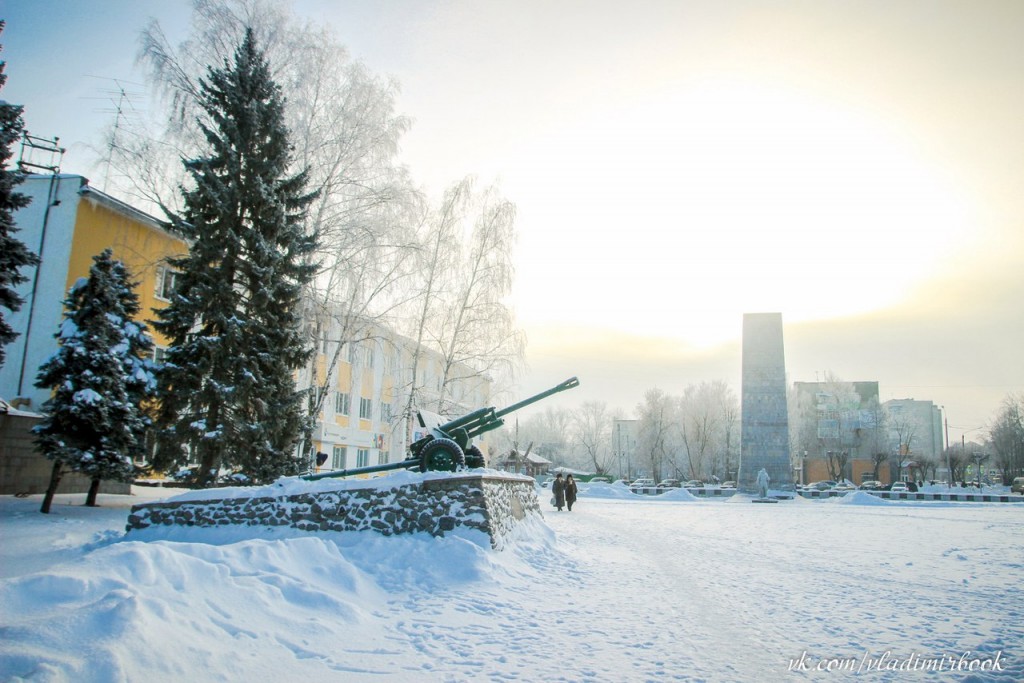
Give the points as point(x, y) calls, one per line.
point(94, 488)
point(55, 474)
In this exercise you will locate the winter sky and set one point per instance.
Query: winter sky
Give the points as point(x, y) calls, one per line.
point(855, 166)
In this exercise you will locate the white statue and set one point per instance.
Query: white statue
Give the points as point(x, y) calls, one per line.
point(762, 482)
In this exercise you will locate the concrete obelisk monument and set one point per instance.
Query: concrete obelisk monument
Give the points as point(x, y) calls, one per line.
point(764, 441)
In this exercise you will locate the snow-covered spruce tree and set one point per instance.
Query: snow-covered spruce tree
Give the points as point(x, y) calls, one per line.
point(13, 253)
point(101, 378)
point(227, 396)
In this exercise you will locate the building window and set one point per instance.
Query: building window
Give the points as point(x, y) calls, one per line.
point(338, 457)
point(382, 457)
point(363, 457)
point(159, 354)
point(342, 404)
point(365, 408)
point(385, 412)
point(166, 282)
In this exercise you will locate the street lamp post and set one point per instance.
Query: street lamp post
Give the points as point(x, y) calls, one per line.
point(949, 461)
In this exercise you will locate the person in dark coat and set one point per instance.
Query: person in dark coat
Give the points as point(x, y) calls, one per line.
point(558, 488)
point(570, 492)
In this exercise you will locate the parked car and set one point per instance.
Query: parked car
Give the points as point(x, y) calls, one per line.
point(669, 483)
point(599, 480)
point(1017, 486)
point(870, 485)
point(899, 486)
point(843, 486)
point(728, 484)
point(820, 485)
point(642, 483)
point(694, 484)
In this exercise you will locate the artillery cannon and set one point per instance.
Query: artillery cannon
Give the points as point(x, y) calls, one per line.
point(449, 446)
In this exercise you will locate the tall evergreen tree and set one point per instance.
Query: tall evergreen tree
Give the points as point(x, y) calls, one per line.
point(13, 253)
point(101, 379)
point(226, 390)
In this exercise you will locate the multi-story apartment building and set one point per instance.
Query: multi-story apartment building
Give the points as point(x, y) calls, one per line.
point(367, 415)
point(836, 426)
point(916, 436)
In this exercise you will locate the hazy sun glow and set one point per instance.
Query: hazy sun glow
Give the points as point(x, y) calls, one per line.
point(707, 200)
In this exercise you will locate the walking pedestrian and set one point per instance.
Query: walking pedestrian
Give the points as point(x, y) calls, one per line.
point(558, 489)
point(570, 491)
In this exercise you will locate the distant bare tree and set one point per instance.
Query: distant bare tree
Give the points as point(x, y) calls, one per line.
point(875, 435)
point(658, 430)
point(1007, 436)
point(708, 413)
point(548, 431)
point(958, 462)
point(592, 424)
point(905, 427)
point(730, 410)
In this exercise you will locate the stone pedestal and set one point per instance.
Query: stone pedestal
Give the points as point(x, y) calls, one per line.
point(491, 503)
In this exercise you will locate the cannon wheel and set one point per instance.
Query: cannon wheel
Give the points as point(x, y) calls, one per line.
point(442, 455)
point(474, 457)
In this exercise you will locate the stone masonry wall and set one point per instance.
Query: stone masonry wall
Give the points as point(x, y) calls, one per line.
point(488, 503)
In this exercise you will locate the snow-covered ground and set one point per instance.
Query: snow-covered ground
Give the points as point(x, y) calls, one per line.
point(624, 588)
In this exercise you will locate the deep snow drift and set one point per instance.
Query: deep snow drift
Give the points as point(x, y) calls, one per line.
point(624, 588)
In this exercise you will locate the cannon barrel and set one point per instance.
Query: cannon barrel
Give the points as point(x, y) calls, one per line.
point(486, 419)
point(570, 383)
point(369, 469)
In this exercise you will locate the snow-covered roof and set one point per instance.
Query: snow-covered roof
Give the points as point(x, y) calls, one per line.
point(531, 458)
point(7, 409)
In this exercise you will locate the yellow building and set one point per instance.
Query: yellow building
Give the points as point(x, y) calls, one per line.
point(67, 223)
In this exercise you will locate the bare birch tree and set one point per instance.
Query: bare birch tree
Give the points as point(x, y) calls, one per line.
point(658, 426)
point(708, 414)
point(477, 333)
point(465, 272)
point(592, 423)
